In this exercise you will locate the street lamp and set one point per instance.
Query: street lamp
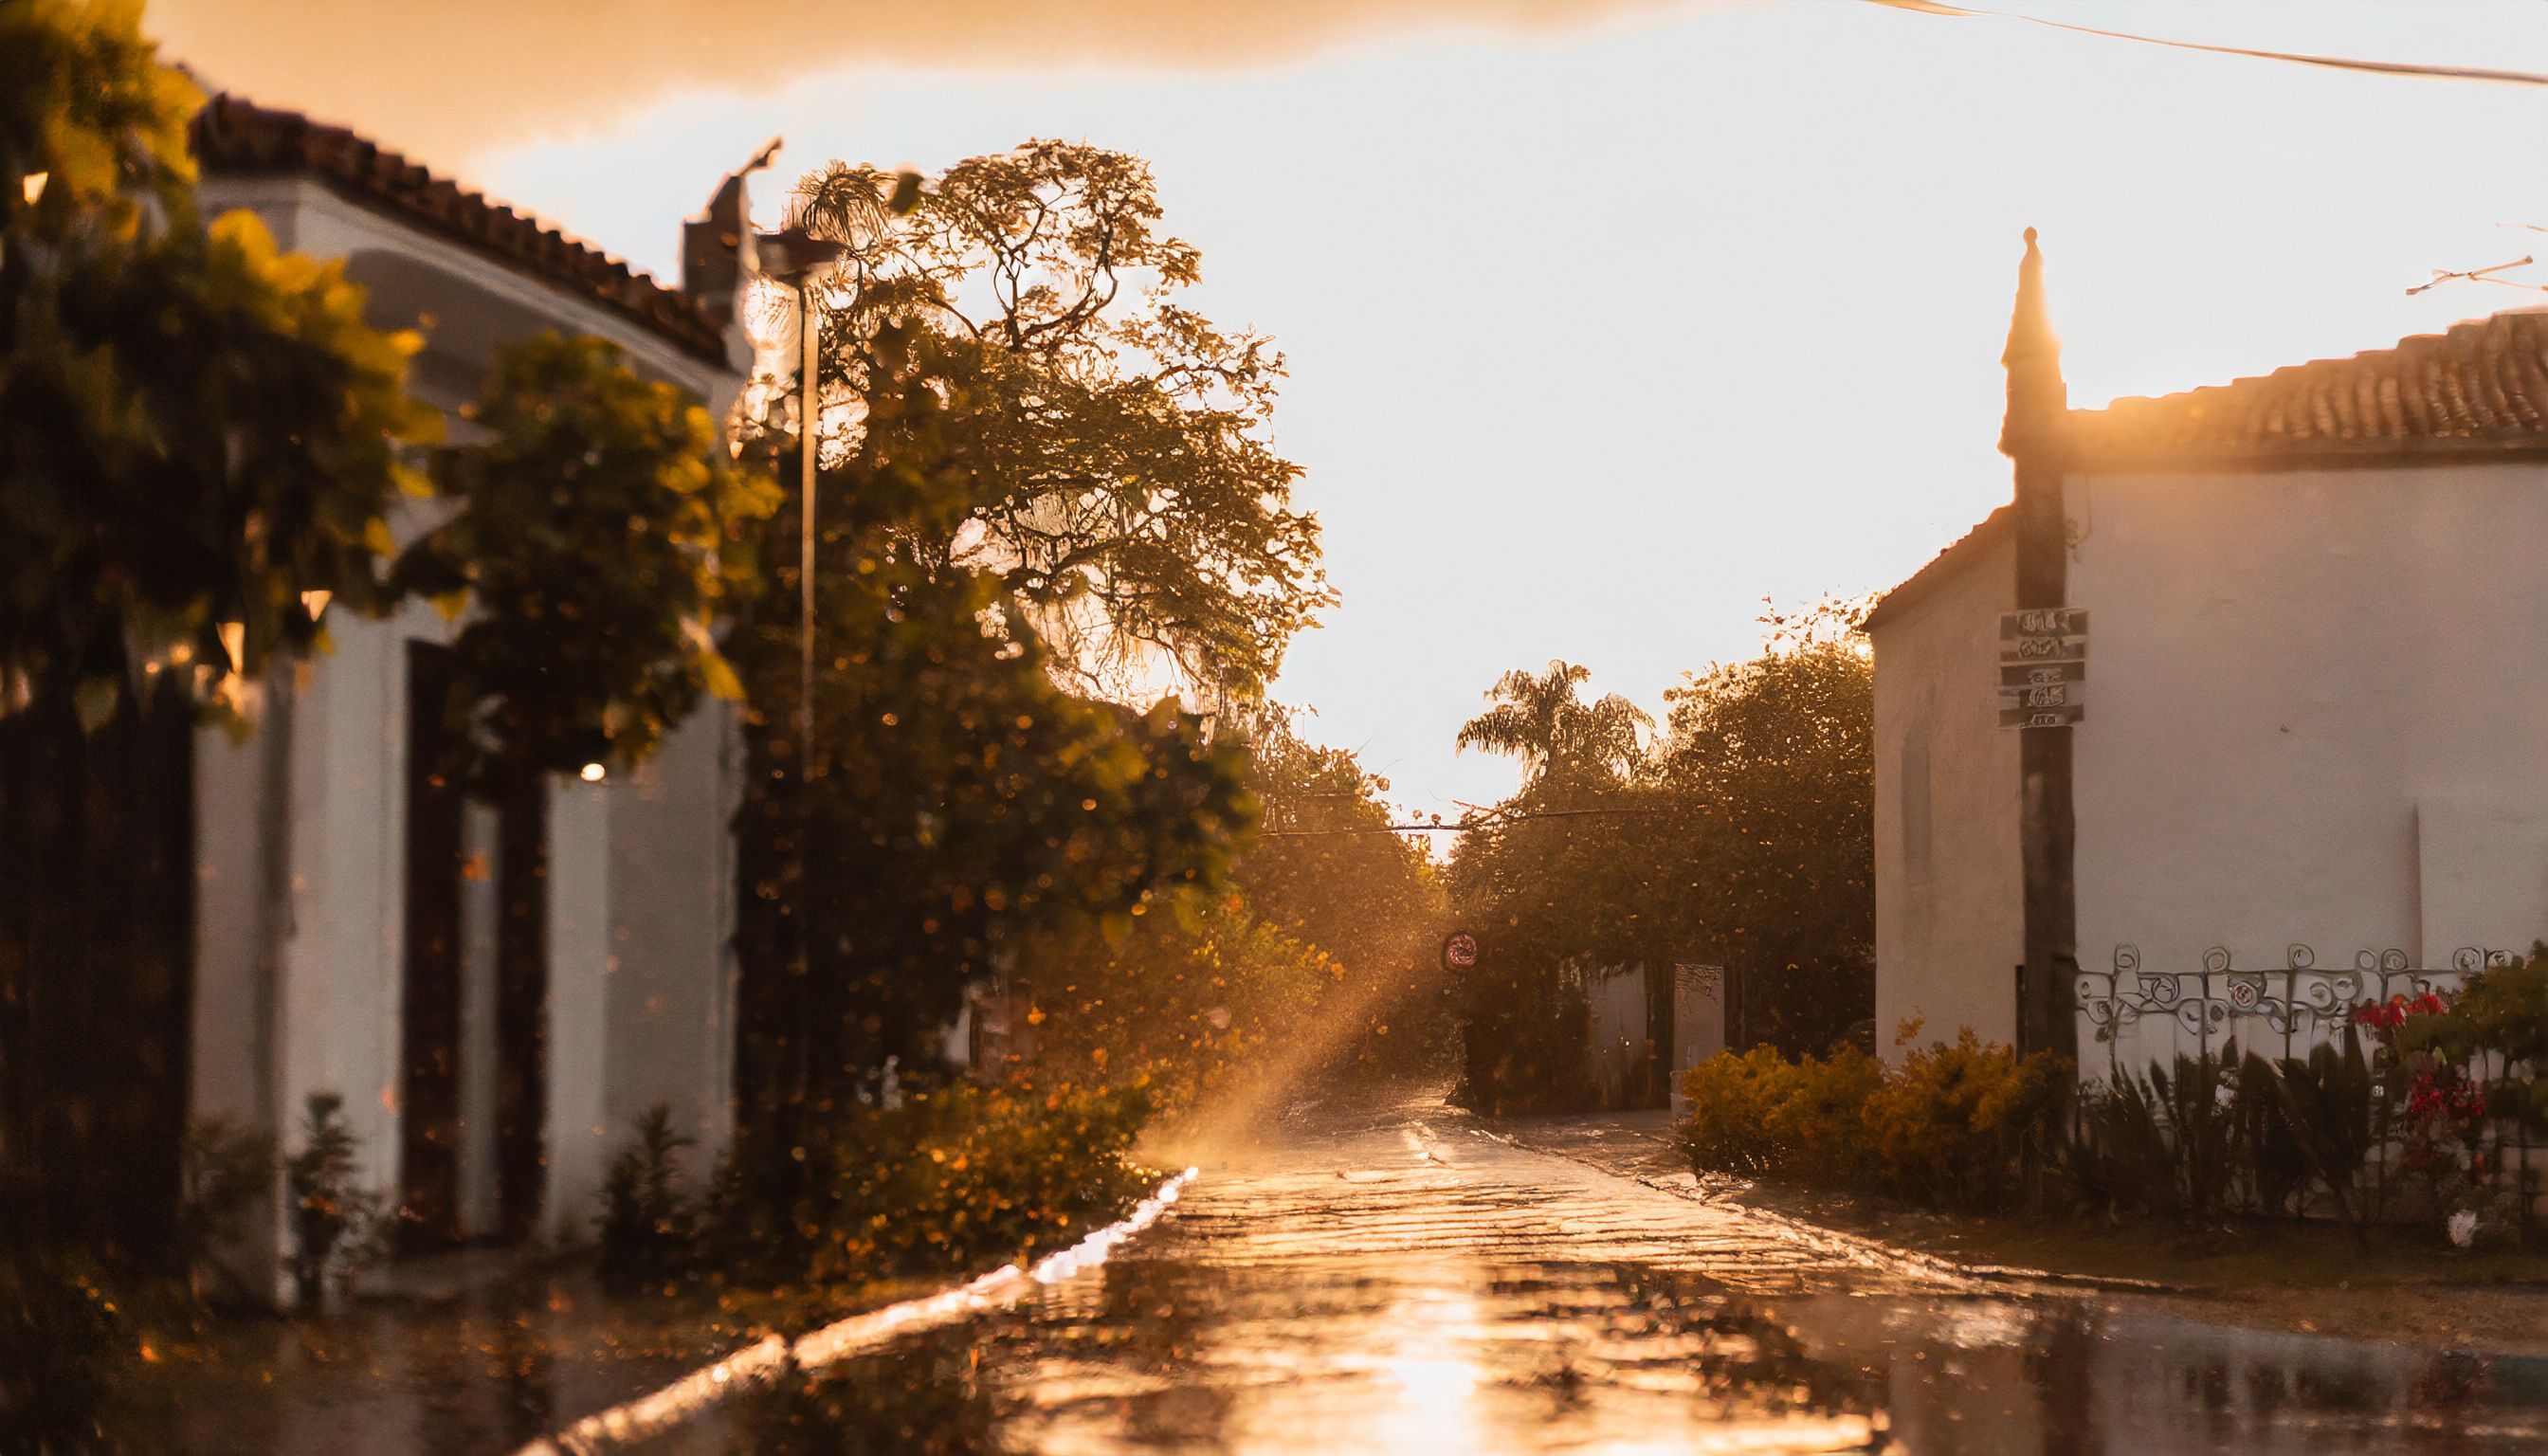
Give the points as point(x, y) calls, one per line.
point(792, 257)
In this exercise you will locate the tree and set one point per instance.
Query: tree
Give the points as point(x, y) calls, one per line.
point(959, 803)
point(1742, 837)
point(201, 440)
point(1561, 740)
point(1766, 777)
point(602, 531)
point(1329, 873)
point(1141, 517)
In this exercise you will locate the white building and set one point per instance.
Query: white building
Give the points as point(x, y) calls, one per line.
point(2307, 761)
point(347, 934)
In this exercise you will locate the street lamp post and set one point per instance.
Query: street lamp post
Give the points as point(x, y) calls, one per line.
point(792, 257)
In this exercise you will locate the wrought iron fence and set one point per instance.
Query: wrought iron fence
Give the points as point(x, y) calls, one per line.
point(2142, 1016)
point(2282, 1012)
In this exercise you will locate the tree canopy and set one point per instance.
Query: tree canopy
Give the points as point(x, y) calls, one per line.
point(960, 800)
point(1561, 740)
point(1142, 515)
point(1743, 837)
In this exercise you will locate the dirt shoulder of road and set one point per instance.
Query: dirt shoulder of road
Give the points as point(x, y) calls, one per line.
point(2268, 1274)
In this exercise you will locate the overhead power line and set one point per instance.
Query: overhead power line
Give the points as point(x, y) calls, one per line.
point(2332, 62)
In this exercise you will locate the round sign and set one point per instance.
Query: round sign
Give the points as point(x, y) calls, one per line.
point(1460, 952)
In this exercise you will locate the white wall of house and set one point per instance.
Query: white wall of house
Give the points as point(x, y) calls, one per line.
point(301, 937)
point(1948, 892)
point(670, 958)
point(2313, 713)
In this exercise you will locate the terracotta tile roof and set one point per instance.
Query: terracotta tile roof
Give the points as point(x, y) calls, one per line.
point(1966, 549)
point(2480, 389)
point(234, 137)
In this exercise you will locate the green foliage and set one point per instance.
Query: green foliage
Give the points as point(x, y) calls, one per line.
point(85, 104)
point(647, 1224)
point(1758, 1113)
point(1561, 740)
point(1744, 837)
point(601, 535)
point(1326, 873)
point(196, 430)
point(956, 1178)
point(333, 1218)
point(2331, 1106)
point(1956, 1126)
point(1180, 1012)
point(962, 804)
point(227, 1170)
point(1137, 509)
point(2496, 1020)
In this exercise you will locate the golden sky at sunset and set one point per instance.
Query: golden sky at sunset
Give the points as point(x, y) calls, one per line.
point(452, 77)
point(1606, 319)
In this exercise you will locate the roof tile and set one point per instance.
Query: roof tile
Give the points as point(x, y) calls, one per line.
point(232, 136)
point(2483, 383)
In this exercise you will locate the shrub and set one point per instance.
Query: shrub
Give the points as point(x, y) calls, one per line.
point(647, 1222)
point(225, 1170)
point(1731, 1099)
point(1954, 1126)
point(333, 1220)
point(954, 1177)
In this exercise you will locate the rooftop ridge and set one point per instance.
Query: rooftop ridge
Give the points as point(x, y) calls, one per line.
point(234, 134)
point(2480, 380)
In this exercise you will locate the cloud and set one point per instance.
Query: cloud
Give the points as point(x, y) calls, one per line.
point(445, 78)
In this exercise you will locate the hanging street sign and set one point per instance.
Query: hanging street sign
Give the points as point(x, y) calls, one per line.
point(1460, 952)
point(2049, 634)
point(2043, 666)
point(2041, 675)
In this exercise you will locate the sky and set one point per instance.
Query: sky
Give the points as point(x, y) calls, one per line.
point(1606, 319)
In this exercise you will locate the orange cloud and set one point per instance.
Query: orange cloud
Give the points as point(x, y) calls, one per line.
point(444, 78)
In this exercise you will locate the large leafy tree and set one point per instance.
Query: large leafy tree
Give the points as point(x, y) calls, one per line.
point(1765, 841)
point(1142, 517)
point(957, 801)
point(1330, 872)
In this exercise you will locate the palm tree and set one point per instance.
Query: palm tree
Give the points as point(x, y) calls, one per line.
point(1543, 721)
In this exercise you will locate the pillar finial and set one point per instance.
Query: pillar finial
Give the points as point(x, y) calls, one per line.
point(2037, 396)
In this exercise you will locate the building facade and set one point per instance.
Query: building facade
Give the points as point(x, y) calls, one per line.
point(495, 990)
point(2303, 769)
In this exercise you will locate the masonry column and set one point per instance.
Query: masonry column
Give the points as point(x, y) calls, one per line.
point(2032, 436)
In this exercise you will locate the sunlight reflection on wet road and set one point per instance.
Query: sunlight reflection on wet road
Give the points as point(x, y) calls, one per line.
point(1399, 1280)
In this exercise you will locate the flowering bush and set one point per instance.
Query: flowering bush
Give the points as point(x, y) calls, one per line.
point(2462, 1071)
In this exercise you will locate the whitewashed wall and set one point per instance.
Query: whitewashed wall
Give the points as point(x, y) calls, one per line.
point(1949, 893)
point(300, 961)
point(671, 986)
point(2314, 709)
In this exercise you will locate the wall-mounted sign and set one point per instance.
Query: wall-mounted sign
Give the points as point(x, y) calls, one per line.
point(1460, 952)
point(2043, 666)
